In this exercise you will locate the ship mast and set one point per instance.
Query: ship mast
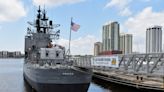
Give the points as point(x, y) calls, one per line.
point(44, 25)
point(38, 21)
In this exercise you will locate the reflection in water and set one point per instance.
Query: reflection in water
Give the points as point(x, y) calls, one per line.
point(28, 88)
point(96, 88)
point(112, 87)
point(11, 80)
point(11, 76)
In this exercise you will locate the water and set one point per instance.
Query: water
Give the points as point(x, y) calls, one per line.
point(11, 79)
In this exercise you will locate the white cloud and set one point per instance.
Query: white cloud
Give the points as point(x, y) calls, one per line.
point(11, 10)
point(82, 45)
point(121, 5)
point(137, 26)
point(118, 3)
point(55, 2)
point(126, 12)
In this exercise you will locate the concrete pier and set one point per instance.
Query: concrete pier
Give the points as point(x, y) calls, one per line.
point(142, 71)
point(137, 81)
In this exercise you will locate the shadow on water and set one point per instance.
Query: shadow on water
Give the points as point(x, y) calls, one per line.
point(113, 87)
point(27, 87)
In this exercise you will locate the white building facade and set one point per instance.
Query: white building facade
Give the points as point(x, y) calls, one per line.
point(97, 48)
point(154, 39)
point(110, 36)
point(126, 45)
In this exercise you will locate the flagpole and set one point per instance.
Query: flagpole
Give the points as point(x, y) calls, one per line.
point(69, 53)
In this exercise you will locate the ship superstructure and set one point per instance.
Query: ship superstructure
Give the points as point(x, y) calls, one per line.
point(46, 66)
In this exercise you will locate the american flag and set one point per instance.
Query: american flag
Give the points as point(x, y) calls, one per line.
point(74, 26)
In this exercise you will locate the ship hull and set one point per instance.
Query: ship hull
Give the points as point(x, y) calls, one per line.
point(58, 80)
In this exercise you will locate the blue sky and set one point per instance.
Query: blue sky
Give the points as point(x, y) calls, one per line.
point(134, 17)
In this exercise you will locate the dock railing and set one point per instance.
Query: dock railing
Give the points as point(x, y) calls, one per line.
point(151, 64)
point(140, 70)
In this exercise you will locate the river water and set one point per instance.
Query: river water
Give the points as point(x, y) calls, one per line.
point(11, 79)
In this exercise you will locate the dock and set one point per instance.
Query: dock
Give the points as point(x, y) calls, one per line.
point(142, 71)
point(142, 82)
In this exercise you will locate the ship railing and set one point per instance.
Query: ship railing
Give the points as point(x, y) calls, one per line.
point(60, 63)
point(45, 66)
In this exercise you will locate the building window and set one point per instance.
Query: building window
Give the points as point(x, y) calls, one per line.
point(57, 54)
point(47, 53)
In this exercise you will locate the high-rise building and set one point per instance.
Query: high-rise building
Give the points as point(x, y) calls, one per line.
point(154, 39)
point(97, 48)
point(122, 43)
point(126, 43)
point(110, 37)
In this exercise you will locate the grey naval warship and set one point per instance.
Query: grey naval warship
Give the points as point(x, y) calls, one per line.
point(47, 68)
